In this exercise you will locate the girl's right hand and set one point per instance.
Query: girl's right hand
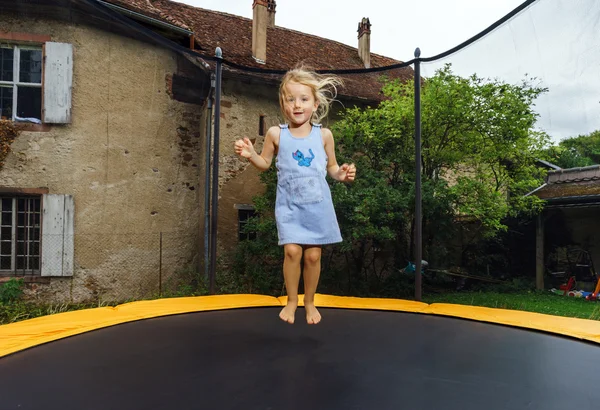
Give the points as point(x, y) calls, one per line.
point(244, 148)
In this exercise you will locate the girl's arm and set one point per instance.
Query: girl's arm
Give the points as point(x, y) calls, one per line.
point(344, 173)
point(245, 149)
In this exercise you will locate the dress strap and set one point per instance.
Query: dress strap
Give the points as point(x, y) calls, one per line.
point(283, 126)
point(316, 125)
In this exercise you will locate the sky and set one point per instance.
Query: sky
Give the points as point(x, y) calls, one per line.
point(555, 41)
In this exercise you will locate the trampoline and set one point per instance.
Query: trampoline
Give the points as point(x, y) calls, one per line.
point(233, 352)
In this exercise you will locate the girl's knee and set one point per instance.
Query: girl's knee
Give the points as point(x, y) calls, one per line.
point(312, 255)
point(293, 252)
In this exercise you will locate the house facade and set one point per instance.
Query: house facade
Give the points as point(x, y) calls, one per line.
point(107, 160)
point(103, 192)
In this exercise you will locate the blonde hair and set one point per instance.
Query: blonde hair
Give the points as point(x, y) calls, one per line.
point(324, 89)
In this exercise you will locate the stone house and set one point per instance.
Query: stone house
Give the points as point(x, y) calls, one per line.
point(103, 191)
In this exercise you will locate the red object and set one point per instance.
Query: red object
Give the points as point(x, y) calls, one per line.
point(570, 285)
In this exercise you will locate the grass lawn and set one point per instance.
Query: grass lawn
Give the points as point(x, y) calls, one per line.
point(532, 301)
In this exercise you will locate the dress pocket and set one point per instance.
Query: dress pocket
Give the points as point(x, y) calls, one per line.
point(305, 189)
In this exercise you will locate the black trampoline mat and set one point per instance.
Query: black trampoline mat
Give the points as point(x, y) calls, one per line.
point(354, 359)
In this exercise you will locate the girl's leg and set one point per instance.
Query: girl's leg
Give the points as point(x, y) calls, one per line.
point(291, 276)
point(312, 272)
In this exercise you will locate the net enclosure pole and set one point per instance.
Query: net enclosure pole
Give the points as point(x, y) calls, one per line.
point(215, 172)
point(207, 184)
point(418, 200)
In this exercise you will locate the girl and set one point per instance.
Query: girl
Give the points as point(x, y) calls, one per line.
point(304, 210)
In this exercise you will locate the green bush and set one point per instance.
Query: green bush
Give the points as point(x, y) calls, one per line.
point(11, 291)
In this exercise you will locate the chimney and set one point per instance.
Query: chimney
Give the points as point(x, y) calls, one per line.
point(271, 9)
point(263, 16)
point(364, 41)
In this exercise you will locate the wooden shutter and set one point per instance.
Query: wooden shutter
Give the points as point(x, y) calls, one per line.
point(58, 82)
point(57, 235)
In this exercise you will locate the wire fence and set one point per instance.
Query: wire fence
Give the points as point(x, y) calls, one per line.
point(108, 267)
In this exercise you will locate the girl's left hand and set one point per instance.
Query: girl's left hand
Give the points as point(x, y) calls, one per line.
point(346, 173)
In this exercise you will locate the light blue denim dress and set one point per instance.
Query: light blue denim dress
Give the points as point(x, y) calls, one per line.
point(303, 209)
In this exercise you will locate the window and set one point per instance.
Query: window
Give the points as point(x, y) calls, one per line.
point(36, 77)
point(20, 235)
point(21, 83)
point(36, 234)
point(245, 212)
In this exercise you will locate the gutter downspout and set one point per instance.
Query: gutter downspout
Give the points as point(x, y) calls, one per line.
point(535, 190)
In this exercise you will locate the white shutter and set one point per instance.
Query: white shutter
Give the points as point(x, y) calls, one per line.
point(58, 81)
point(57, 235)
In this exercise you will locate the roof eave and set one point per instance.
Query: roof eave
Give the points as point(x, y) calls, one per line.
point(147, 19)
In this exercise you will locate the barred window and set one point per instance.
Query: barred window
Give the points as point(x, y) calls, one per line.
point(244, 214)
point(20, 235)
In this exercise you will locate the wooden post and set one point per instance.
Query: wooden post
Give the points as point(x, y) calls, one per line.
point(539, 252)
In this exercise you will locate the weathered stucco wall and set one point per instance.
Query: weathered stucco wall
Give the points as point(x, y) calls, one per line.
point(133, 158)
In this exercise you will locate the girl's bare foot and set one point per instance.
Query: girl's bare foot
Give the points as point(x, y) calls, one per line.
point(288, 313)
point(312, 314)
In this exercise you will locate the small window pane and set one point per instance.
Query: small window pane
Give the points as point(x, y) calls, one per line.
point(35, 234)
point(7, 204)
point(29, 102)
point(20, 248)
point(5, 262)
point(5, 248)
point(6, 64)
point(34, 248)
point(20, 219)
point(6, 218)
point(6, 103)
point(6, 232)
point(36, 205)
point(21, 204)
point(31, 66)
point(20, 262)
point(34, 263)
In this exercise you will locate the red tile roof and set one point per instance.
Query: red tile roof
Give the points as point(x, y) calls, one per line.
point(146, 8)
point(285, 47)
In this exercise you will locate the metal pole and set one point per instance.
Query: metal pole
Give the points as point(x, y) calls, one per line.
point(215, 173)
point(207, 181)
point(418, 200)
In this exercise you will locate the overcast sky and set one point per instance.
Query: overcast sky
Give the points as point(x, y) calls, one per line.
point(557, 41)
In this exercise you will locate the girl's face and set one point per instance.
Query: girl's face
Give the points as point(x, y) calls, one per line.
point(299, 103)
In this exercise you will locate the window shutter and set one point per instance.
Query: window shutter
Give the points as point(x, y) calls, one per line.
point(57, 235)
point(58, 81)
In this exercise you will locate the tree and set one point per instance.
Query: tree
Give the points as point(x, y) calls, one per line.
point(478, 154)
point(573, 152)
